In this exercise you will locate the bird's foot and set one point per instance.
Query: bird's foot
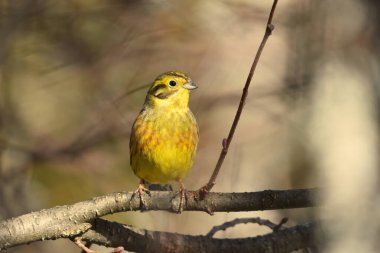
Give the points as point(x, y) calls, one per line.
point(141, 190)
point(182, 197)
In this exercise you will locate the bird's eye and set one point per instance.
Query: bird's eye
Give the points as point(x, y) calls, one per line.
point(172, 83)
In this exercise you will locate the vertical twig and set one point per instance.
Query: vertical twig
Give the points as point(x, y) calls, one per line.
point(227, 141)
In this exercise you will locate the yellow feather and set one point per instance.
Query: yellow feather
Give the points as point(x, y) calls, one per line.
point(164, 135)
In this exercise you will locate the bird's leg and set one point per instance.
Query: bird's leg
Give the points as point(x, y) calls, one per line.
point(182, 195)
point(140, 191)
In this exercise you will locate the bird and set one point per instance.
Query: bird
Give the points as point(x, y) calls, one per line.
point(165, 134)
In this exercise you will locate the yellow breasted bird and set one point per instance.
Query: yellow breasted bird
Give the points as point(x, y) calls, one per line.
point(165, 134)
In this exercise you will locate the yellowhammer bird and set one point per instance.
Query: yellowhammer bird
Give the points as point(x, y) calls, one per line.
point(164, 135)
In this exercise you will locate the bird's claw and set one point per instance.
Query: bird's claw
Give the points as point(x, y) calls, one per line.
point(183, 198)
point(140, 191)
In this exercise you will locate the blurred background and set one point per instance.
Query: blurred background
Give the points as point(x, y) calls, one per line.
point(74, 74)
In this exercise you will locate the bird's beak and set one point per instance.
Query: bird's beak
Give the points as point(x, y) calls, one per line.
point(190, 85)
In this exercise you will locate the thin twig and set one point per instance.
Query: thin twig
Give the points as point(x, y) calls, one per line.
point(237, 221)
point(226, 142)
point(88, 246)
point(84, 248)
point(279, 225)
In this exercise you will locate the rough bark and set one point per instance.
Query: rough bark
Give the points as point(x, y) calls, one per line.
point(72, 220)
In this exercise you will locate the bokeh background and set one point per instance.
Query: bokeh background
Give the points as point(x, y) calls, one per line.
point(74, 74)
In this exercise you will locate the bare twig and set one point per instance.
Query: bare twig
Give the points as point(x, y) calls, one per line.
point(279, 225)
point(237, 221)
point(227, 141)
point(84, 248)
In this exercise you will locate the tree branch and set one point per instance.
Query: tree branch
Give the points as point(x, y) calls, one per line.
point(113, 234)
point(72, 220)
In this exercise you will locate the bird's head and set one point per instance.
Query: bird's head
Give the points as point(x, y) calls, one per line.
point(170, 89)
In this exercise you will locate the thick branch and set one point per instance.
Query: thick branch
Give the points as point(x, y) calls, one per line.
point(72, 220)
point(113, 234)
